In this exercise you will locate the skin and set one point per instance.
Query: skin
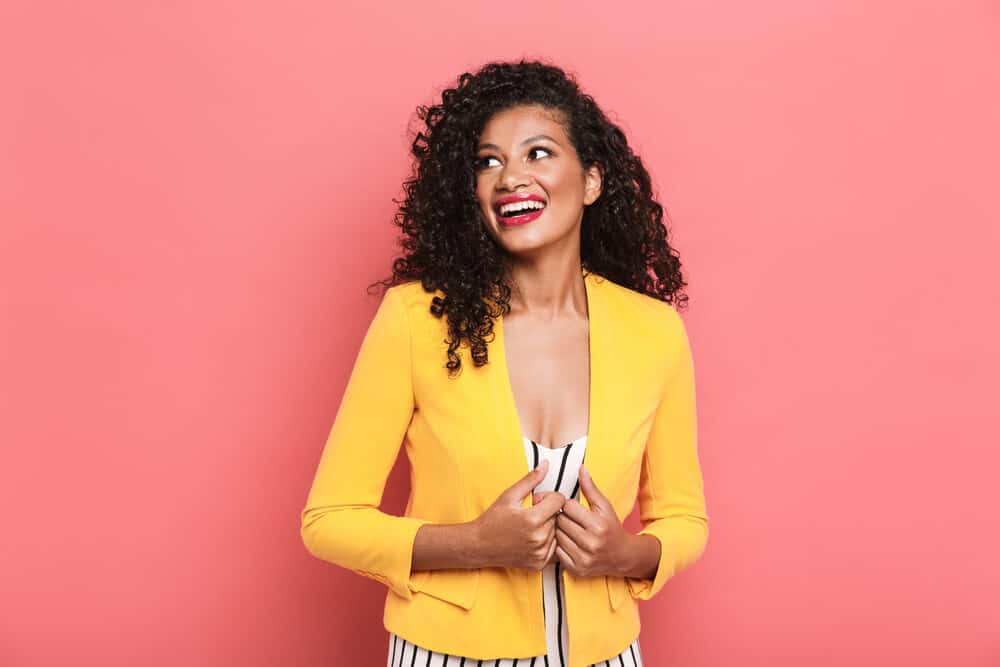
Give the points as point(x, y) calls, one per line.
point(547, 350)
point(549, 168)
point(547, 331)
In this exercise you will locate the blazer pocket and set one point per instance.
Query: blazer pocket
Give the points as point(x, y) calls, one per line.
point(455, 586)
point(617, 591)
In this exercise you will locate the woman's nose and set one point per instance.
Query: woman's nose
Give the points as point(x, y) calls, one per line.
point(514, 175)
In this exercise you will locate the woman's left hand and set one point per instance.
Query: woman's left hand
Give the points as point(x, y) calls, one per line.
point(591, 542)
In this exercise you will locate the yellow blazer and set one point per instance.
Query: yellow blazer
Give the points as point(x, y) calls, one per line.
point(463, 440)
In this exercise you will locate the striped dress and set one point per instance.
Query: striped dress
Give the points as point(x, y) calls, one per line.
point(562, 476)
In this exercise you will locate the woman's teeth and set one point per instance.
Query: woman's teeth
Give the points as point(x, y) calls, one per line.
point(508, 210)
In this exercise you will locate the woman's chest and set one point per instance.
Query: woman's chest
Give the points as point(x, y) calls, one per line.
point(548, 369)
point(470, 425)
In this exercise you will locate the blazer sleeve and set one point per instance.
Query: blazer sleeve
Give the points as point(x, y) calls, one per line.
point(341, 522)
point(671, 491)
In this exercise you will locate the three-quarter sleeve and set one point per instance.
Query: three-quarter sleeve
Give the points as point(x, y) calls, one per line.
point(341, 522)
point(671, 493)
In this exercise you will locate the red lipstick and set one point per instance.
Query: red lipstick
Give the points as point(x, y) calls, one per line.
point(522, 217)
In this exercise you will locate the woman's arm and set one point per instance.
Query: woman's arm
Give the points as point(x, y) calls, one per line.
point(341, 522)
point(445, 546)
point(671, 493)
point(644, 557)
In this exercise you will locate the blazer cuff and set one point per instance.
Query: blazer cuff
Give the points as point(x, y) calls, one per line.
point(396, 571)
point(682, 541)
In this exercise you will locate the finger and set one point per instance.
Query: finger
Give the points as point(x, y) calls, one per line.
point(538, 495)
point(549, 505)
point(578, 532)
point(522, 487)
point(566, 559)
point(589, 489)
point(550, 556)
point(569, 542)
point(551, 534)
point(580, 514)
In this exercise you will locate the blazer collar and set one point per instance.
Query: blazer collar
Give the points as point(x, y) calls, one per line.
point(510, 457)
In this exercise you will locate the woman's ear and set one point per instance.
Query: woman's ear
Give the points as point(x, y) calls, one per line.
point(593, 180)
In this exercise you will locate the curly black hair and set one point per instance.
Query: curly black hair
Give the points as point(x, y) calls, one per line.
point(445, 242)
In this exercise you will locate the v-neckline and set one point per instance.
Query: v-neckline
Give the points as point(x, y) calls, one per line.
point(574, 441)
point(504, 370)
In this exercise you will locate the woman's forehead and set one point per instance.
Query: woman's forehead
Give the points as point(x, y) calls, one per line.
point(524, 121)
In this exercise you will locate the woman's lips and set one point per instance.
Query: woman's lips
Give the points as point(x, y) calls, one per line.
point(521, 219)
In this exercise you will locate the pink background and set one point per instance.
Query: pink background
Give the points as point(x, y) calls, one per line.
point(194, 195)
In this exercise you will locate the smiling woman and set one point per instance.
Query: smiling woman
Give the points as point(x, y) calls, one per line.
point(517, 179)
point(529, 130)
point(536, 251)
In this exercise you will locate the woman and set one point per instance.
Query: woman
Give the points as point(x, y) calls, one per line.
point(529, 224)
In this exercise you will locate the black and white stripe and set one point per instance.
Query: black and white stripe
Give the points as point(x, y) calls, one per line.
point(407, 654)
point(563, 473)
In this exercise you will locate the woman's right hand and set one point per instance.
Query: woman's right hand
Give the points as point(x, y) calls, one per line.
point(510, 535)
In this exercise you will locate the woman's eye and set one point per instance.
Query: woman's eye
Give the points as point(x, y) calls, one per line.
point(482, 162)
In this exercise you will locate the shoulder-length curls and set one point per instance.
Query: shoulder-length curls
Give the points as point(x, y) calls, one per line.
point(444, 240)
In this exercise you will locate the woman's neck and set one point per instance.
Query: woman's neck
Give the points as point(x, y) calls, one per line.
point(548, 290)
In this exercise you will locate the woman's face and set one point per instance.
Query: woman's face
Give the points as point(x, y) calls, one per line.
point(524, 154)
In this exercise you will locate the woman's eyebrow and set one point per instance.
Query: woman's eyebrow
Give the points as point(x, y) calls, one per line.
point(526, 141)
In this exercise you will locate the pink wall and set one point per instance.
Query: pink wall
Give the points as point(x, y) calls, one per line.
point(193, 198)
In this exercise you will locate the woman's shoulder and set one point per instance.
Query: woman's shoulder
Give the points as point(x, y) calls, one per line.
point(412, 295)
point(413, 303)
point(660, 314)
point(646, 320)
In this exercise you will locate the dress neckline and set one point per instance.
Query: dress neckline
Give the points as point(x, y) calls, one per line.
point(555, 449)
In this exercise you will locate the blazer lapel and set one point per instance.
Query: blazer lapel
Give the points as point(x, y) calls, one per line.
point(601, 366)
